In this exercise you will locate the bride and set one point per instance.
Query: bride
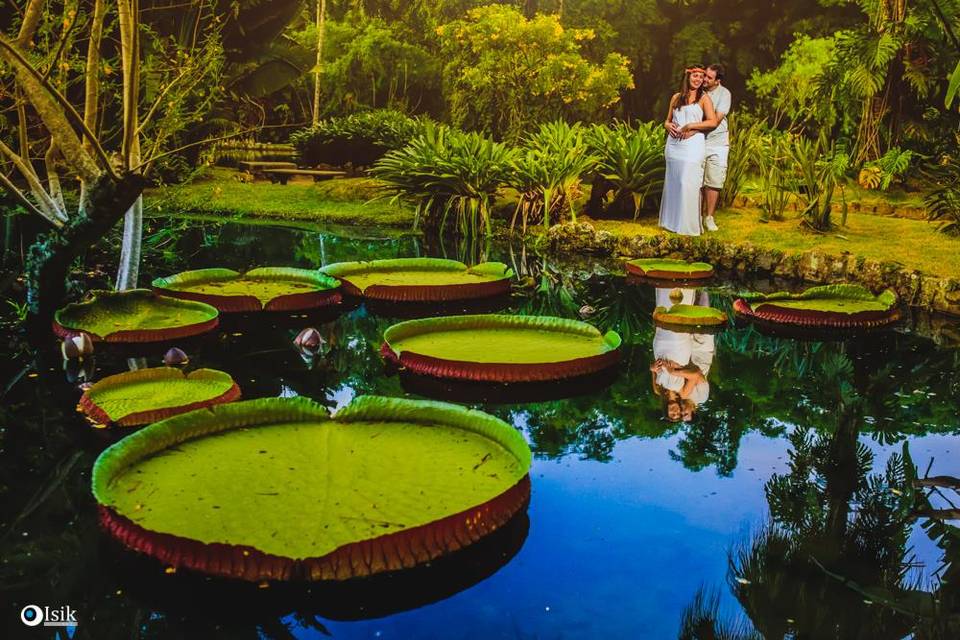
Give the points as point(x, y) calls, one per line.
point(691, 114)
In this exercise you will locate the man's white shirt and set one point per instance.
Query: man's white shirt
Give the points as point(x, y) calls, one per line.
point(722, 102)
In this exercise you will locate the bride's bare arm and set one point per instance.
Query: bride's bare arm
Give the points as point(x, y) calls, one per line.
point(668, 124)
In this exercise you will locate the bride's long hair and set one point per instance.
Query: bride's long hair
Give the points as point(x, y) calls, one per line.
point(685, 87)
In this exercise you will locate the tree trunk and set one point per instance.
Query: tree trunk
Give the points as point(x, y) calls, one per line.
point(321, 22)
point(129, 268)
point(50, 257)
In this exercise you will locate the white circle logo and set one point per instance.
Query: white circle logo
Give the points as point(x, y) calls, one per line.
point(31, 615)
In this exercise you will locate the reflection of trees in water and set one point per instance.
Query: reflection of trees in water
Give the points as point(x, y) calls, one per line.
point(833, 561)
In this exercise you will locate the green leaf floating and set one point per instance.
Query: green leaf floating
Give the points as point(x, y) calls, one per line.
point(148, 395)
point(500, 348)
point(842, 306)
point(421, 279)
point(275, 489)
point(264, 289)
point(136, 315)
point(689, 315)
point(666, 269)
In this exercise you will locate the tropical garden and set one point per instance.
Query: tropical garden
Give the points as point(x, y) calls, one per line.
point(245, 214)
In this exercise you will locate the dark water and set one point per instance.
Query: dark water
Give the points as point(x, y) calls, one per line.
point(787, 503)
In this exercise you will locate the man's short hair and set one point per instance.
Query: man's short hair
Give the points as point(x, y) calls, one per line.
point(719, 69)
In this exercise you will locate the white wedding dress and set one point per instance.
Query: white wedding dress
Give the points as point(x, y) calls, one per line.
point(680, 205)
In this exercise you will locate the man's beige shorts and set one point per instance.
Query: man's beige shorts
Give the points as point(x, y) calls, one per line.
point(715, 168)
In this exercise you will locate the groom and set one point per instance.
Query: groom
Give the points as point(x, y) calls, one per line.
point(718, 144)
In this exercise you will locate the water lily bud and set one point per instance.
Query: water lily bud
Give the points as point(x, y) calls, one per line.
point(676, 295)
point(175, 357)
point(309, 341)
point(77, 346)
point(586, 311)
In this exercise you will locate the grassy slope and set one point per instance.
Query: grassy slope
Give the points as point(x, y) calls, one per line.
point(343, 201)
point(915, 244)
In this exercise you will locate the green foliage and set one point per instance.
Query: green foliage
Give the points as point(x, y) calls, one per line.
point(359, 139)
point(505, 72)
point(631, 160)
point(547, 172)
point(746, 146)
point(880, 173)
point(820, 172)
point(447, 172)
point(943, 201)
point(771, 160)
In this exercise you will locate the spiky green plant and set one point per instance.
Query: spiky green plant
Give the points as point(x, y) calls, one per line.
point(746, 142)
point(820, 171)
point(547, 172)
point(445, 172)
point(630, 160)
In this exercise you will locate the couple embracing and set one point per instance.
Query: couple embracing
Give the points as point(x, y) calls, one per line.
point(696, 152)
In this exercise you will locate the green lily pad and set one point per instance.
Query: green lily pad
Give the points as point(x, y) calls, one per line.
point(276, 489)
point(421, 279)
point(500, 347)
point(666, 269)
point(690, 315)
point(267, 288)
point(836, 306)
point(148, 395)
point(136, 315)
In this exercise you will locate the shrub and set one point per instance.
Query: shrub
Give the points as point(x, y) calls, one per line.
point(819, 172)
point(445, 171)
point(630, 161)
point(359, 139)
point(746, 144)
point(880, 173)
point(771, 159)
point(943, 201)
point(548, 170)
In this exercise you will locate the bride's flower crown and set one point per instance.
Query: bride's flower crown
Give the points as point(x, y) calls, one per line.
point(694, 70)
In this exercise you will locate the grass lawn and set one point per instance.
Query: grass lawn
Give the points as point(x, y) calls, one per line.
point(343, 201)
point(916, 244)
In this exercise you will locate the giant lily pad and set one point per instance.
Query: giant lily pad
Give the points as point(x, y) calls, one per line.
point(689, 315)
point(264, 289)
point(421, 279)
point(275, 489)
point(841, 306)
point(136, 315)
point(148, 395)
point(666, 269)
point(500, 348)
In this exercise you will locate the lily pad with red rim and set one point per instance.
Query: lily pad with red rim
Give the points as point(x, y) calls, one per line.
point(276, 489)
point(500, 348)
point(136, 315)
point(148, 395)
point(263, 289)
point(421, 279)
point(668, 269)
point(837, 306)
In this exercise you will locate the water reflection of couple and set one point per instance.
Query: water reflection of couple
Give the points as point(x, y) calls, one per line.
point(682, 361)
point(696, 151)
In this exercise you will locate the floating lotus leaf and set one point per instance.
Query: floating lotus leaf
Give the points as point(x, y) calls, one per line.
point(841, 306)
point(500, 348)
point(264, 289)
point(421, 279)
point(665, 269)
point(148, 395)
point(689, 315)
point(136, 315)
point(275, 489)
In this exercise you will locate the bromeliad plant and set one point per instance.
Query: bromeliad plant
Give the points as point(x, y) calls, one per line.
point(446, 172)
point(820, 172)
point(547, 173)
point(630, 161)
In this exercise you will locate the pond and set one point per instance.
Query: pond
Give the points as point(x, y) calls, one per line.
point(786, 501)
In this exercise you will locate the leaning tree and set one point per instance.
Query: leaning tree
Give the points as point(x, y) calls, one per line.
point(100, 135)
